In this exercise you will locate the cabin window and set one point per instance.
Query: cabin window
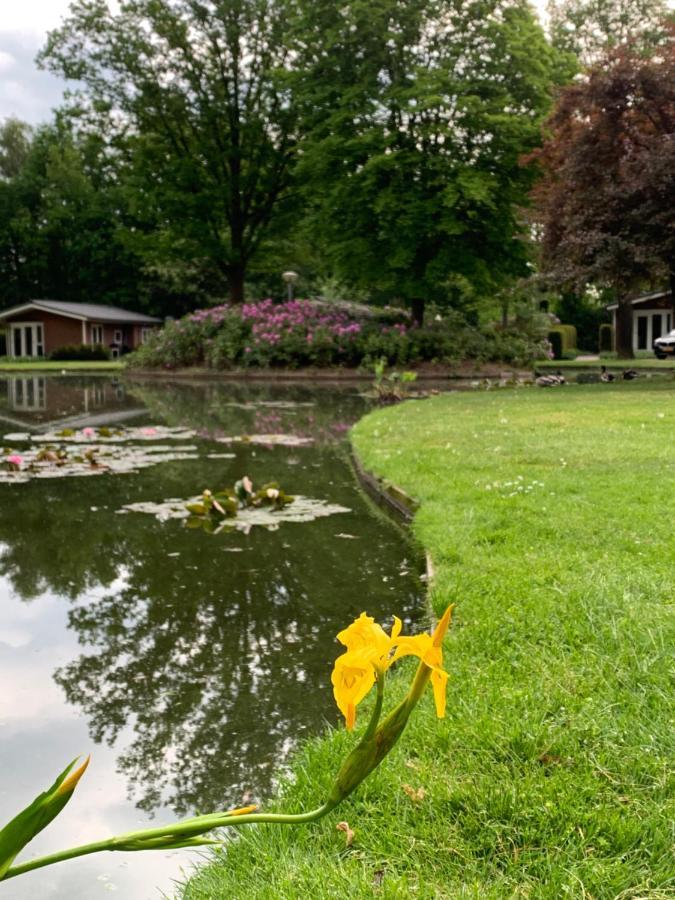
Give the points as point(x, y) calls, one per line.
point(118, 336)
point(642, 332)
point(97, 334)
point(145, 334)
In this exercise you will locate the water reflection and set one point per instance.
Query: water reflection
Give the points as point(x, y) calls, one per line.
point(34, 402)
point(204, 658)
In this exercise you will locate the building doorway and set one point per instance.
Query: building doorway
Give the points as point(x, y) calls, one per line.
point(26, 339)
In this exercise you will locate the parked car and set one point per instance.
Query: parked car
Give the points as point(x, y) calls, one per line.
point(664, 346)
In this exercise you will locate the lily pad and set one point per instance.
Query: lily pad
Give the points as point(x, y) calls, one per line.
point(303, 509)
point(272, 440)
point(92, 459)
point(105, 435)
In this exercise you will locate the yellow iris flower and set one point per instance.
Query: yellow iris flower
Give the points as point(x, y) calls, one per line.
point(370, 652)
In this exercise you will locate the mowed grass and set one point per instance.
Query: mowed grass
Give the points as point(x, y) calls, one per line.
point(49, 365)
point(549, 519)
point(648, 362)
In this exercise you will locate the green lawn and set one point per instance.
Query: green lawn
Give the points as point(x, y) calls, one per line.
point(548, 515)
point(48, 365)
point(641, 363)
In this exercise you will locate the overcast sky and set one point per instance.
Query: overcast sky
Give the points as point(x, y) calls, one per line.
point(25, 91)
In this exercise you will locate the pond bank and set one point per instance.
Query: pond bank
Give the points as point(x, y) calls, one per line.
point(463, 371)
point(548, 775)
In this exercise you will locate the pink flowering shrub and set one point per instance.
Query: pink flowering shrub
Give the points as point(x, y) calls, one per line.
point(302, 333)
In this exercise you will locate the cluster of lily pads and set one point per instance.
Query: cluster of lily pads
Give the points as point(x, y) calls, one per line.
point(105, 435)
point(57, 461)
point(226, 503)
point(239, 508)
point(58, 456)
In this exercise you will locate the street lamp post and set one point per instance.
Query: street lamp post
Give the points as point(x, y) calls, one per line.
point(290, 278)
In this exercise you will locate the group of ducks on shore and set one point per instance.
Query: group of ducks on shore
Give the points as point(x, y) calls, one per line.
point(557, 378)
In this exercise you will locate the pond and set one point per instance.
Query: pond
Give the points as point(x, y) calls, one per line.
point(189, 664)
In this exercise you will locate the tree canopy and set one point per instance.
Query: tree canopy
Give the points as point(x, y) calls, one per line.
point(417, 116)
point(195, 98)
point(606, 196)
point(60, 233)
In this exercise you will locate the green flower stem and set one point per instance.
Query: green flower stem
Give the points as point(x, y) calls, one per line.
point(377, 709)
point(181, 834)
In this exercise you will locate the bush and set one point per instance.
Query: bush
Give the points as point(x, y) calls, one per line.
point(80, 353)
point(568, 336)
point(556, 341)
point(304, 333)
point(226, 349)
point(606, 338)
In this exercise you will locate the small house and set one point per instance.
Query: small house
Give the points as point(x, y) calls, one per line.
point(38, 327)
point(652, 317)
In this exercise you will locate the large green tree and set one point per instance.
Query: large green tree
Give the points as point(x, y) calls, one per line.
point(416, 115)
point(194, 96)
point(59, 220)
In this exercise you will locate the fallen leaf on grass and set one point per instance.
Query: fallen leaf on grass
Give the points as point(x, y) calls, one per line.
point(552, 759)
point(416, 795)
point(349, 834)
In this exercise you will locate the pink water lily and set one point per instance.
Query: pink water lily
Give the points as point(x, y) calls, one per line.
point(150, 432)
point(248, 484)
point(88, 432)
point(15, 460)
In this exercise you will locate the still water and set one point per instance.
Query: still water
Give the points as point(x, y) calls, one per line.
point(187, 664)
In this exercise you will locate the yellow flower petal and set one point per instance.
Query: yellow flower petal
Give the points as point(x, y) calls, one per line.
point(439, 681)
point(353, 676)
point(365, 632)
point(396, 628)
point(415, 645)
point(442, 627)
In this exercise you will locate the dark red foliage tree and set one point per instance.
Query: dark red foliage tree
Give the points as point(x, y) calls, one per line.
point(606, 197)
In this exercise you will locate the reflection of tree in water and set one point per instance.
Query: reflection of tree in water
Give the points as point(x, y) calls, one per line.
point(51, 541)
point(219, 665)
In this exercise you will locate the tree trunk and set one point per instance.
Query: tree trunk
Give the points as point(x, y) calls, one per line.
point(417, 308)
point(236, 279)
point(623, 337)
point(672, 297)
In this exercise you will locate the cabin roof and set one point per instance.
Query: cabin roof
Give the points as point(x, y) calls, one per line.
point(85, 312)
point(644, 298)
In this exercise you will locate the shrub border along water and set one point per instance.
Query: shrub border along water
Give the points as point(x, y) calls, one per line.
point(304, 333)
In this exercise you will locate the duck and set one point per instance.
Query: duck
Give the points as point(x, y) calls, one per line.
point(629, 374)
point(605, 375)
point(552, 380)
